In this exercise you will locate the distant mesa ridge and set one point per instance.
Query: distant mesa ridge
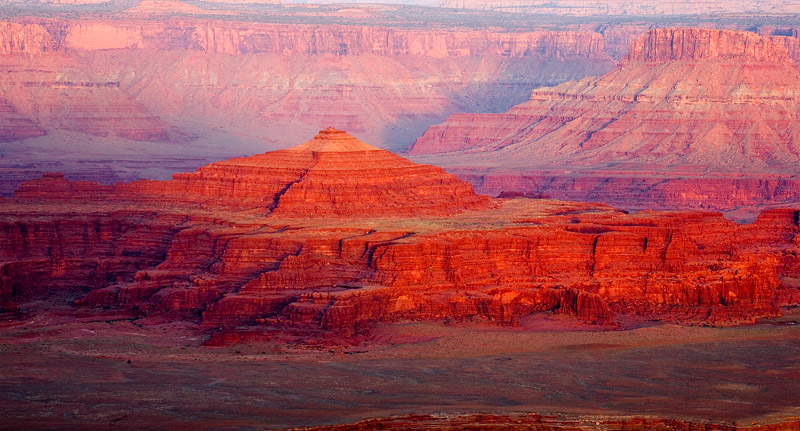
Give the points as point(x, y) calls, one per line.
point(708, 105)
point(665, 44)
point(716, 99)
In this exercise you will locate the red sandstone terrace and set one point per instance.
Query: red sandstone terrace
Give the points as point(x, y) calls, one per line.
point(317, 240)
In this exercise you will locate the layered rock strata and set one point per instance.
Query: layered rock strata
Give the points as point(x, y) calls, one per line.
point(356, 236)
point(626, 7)
point(240, 87)
point(691, 103)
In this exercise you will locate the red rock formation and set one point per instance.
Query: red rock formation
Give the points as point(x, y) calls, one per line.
point(663, 113)
point(63, 253)
point(56, 98)
point(335, 235)
point(237, 38)
point(239, 87)
point(29, 38)
point(165, 7)
point(666, 44)
point(741, 197)
point(332, 74)
point(332, 174)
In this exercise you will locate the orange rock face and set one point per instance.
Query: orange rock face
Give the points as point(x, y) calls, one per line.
point(334, 235)
point(665, 112)
point(333, 174)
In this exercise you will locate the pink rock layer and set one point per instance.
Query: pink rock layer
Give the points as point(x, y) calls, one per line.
point(739, 197)
point(684, 103)
point(229, 88)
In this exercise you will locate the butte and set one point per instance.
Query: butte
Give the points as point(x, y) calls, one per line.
point(329, 238)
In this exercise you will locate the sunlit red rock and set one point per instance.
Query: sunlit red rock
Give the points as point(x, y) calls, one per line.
point(334, 235)
point(333, 174)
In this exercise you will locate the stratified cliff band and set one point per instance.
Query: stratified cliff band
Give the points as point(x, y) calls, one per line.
point(334, 235)
point(692, 118)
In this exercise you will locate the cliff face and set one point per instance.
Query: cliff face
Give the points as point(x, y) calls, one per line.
point(685, 102)
point(695, 44)
point(741, 197)
point(235, 87)
point(627, 7)
point(31, 38)
point(325, 245)
point(224, 37)
point(14, 127)
point(236, 38)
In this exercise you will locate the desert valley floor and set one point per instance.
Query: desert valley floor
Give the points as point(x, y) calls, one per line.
point(103, 371)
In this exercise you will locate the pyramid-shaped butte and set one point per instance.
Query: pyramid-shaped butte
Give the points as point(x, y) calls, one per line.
point(332, 174)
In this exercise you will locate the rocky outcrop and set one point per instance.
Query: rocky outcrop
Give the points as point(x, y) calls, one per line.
point(741, 197)
point(14, 127)
point(627, 7)
point(663, 114)
point(333, 174)
point(342, 280)
point(30, 37)
point(696, 44)
point(236, 38)
point(334, 235)
point(62, 254)
point(224, 37)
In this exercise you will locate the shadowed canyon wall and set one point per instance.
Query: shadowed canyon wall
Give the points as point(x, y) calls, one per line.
point(664, 129)
point(146, 90)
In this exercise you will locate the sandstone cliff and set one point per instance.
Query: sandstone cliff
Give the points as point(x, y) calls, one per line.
point(628, 7)
point(334, 235)
point(236, 38)
point(238, 87)
point(685, 102)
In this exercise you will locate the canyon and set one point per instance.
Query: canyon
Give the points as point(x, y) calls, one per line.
point(140, 91)
point(659, 131)
point(334, 282)
point(171, 258)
